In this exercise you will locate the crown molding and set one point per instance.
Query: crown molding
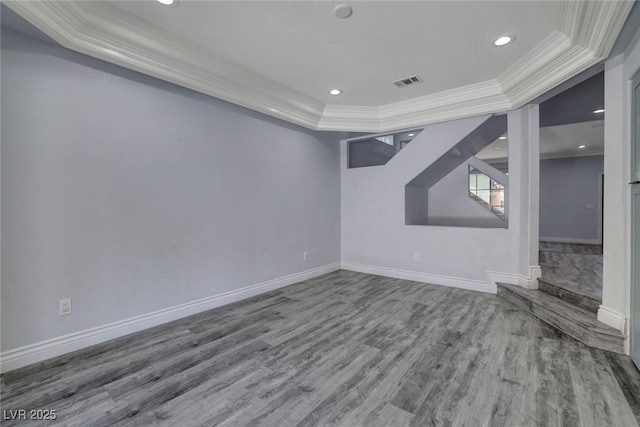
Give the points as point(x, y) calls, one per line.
point(552, 62)
point(586, 33)
point(601, 24)
point(102, 31)
point(467, 101)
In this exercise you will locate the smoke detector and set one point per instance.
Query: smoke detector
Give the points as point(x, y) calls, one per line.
point(342, 11)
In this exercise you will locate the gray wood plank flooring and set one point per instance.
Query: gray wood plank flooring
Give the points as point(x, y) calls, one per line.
point(345, 349)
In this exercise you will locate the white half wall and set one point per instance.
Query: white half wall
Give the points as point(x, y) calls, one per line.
point(376, 239)
point(133, 196)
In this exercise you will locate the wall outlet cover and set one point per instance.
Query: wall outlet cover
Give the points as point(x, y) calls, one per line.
point(65, 307)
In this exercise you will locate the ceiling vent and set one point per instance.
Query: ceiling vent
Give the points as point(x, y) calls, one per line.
point(408, 81)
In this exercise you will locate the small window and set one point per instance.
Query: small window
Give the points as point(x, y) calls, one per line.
point(486, 191)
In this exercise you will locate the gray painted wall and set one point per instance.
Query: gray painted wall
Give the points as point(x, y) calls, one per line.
point(569, 193)
point(374, 235)
point(131, 195)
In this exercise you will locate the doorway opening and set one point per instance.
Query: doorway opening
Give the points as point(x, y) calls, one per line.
point(572, 193)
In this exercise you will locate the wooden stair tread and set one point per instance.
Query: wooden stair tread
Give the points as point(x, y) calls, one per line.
point(560, 284)
point(569, 294)
point(575, 321)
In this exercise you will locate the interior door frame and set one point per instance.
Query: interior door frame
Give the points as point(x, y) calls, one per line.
point(635, 192)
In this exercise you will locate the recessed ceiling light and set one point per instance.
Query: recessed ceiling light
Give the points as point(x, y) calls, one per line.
point(412, 134)
point(506, 173)
point(582, 146)
point(335, 92)
point(166, 2)
point(343, 11)
point(503, 137)
point(503, 40)
point(598, 111)
point(498, 148)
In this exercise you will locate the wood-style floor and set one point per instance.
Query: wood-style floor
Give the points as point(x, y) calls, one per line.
point(344, 349)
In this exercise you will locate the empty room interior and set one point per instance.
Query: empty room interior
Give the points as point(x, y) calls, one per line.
point(314, 213)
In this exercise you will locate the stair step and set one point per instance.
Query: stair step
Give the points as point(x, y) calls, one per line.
point(568, 294)
point(578, 273)
point(571, 248)
point(564, 316)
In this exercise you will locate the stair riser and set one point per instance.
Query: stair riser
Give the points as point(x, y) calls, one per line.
point(586, 303)
point(590, 338)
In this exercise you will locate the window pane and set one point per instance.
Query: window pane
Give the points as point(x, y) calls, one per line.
point(485, 195)
point(483, 182)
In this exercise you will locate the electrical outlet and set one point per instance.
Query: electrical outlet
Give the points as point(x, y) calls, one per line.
point(416, 257)
point(65, 307)
point(305, 256)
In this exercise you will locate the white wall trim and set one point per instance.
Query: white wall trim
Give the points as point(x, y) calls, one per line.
point(570, 240)
point(613, 318)
point(529, 282)
point(584, 37)
point(416, 276)
point(23, 356)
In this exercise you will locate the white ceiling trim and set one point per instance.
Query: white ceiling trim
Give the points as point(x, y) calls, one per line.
point(586, 33)
point(467, 101)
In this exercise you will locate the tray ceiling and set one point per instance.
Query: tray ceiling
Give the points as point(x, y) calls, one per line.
point(281, 58)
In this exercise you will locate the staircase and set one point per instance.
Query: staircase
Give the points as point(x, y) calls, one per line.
point(569, 294)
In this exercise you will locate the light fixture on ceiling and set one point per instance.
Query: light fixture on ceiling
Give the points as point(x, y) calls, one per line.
point(335, 92)
point(598, 111)
point(506, 173)
point(166, 2)
point(503, 40)
point(503, 137)
point(411, 134)
point(582, 147)
point(343, 11)
point(498, 148)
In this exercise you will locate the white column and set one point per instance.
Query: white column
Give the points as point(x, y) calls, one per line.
point(616, 287)
point(533, 148)
point(524, 177)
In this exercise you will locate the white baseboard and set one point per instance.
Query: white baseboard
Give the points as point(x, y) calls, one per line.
point(613, 318)
point(529, 282)
point(23, 356)
point(571, 240)
point(435, 279)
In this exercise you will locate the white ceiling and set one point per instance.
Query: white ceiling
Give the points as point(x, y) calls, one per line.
point(281, 57)
point(301, 44)
point(557, 141)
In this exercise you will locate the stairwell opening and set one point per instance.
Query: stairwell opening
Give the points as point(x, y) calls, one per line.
point(377, 150)
point(467, 186)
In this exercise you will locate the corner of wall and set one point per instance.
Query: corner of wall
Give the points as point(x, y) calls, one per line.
point(613, 318)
